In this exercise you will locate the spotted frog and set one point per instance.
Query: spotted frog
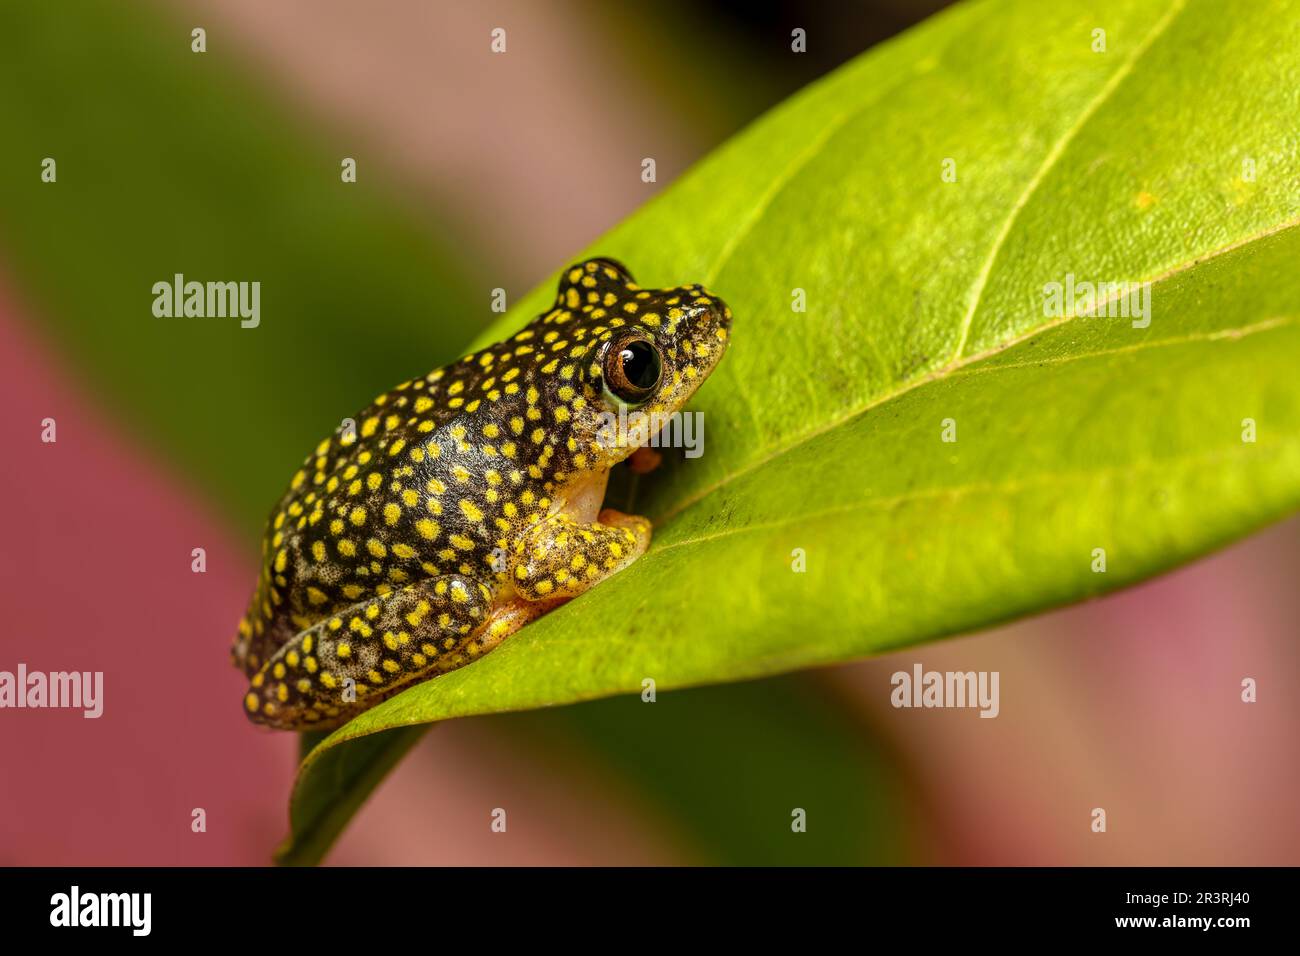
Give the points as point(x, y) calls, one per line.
point(460, 506)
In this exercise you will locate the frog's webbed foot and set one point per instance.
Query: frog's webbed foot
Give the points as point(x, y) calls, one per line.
point(371, 650)
point(563, 557)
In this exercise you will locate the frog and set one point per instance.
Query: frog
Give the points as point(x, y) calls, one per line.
point(462, 505)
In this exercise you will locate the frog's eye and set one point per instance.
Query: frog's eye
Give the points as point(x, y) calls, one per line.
point(633, 368)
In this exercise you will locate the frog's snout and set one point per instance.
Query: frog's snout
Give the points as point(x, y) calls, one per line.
point(713, 312)
point(710, 330)
point(722, 313)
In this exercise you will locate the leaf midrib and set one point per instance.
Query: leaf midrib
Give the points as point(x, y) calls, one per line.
point(957, 491)
point(956, 365)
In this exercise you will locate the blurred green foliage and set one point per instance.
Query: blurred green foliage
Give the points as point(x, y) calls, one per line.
point(729, 765)
point(175, 162)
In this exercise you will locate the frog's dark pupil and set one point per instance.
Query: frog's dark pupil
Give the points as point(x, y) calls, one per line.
point(640, 364)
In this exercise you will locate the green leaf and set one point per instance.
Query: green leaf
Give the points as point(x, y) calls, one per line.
point(925, 302)
point(342, 780)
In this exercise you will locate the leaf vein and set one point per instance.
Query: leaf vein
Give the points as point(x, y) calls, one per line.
point(946, 370)
point(1058, 149)
point(1267, 325)
point(1216, 456)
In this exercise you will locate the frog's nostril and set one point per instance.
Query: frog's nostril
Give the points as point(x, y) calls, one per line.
point(722, 313)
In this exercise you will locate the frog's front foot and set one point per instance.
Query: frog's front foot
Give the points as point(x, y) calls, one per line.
point(639, 527)
point(561, 556)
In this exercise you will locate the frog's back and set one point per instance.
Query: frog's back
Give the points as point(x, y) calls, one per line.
point(415, 485)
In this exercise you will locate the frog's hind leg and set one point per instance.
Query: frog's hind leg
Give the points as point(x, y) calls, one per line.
point(257, 637)
point(369, 651)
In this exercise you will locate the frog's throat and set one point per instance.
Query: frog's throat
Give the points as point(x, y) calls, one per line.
point(583, 499)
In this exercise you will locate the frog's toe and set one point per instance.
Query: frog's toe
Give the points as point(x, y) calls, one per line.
point(639, 527)
point(288, 704)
